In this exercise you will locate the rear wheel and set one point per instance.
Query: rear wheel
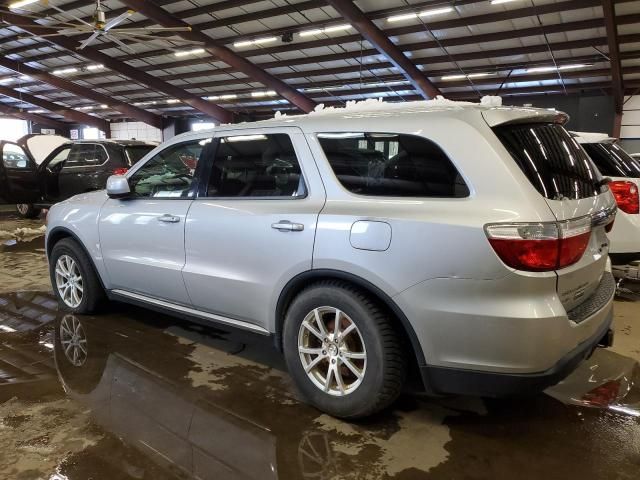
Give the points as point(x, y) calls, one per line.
point(74, 280)
point(27, 210)
point(343, 351)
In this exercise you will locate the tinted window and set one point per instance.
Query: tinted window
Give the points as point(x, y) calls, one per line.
point(256, 166)
point(551, 159)
point(133, 153)
point(60, 157)
point(169, 173)
point(391, 165)
point(612, 160)
point(13, 156)
point(86, 154)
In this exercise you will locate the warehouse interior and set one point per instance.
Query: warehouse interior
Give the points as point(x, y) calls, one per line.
point(163, 397)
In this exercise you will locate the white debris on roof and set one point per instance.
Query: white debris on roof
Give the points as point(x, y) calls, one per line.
point(592, 137)
point(491, 101)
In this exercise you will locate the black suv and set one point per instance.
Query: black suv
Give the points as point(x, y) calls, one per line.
point(40, 170)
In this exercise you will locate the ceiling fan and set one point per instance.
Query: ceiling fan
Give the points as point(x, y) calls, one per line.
point(100, 26)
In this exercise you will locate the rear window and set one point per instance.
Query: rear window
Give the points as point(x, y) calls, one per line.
point(551, 159)
point(392, 165)
point(612, 160)
point(135, 152)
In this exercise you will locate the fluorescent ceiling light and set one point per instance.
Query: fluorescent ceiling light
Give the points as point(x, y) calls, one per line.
point(554, 68)
point(424, 13)
point(463, 76)
point(318, 31)
point(257, 41)
point(95, 67)
point(65, 70)
point(21, 3)
point(36, 111)
point(104, 105)
point(228, 96)
point(268, 93)
point(497, 2)
point(173, 100)
point(6, 80)
point(184, 53)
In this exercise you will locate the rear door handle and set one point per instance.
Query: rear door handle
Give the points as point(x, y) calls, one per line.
point(287, 226)
point(169, 218)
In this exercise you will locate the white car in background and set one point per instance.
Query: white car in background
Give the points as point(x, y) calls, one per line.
point(624, 171)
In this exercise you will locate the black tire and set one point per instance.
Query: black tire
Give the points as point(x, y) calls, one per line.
point(27, 210)
point(385, 371)
point(93, 294)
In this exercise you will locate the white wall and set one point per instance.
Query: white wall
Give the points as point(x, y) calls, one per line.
point(137, 130)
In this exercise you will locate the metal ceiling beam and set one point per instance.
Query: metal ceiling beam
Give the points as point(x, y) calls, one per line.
point(196, 102)
point(66, 112)
point(133, 112)
point(381, 42)
point(17, 113)
point(617, 79)
point(229, 57)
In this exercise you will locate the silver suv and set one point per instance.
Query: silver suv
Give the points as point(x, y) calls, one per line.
point(461, 245)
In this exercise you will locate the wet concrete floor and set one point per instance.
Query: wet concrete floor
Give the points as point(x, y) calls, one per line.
point(155, 397)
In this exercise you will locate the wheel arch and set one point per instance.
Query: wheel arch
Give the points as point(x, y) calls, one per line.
point(300, 281)
point(60, 233)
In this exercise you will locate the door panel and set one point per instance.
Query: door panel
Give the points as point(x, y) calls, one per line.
point(242, 248)
point(18, 176)
point(142, 237)
point(78, 174)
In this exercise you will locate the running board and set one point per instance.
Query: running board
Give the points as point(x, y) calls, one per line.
point(136, 297)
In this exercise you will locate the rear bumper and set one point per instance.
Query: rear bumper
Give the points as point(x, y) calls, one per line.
point(443, 380)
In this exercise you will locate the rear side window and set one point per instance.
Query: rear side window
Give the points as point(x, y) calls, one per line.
point(551, 159)
point(612, 160)
point(392, 165)
point(256, 166)
point(133, 153)
point(86, 155)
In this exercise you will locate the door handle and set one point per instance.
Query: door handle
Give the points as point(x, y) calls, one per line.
point(169, 218)
point(287, 226)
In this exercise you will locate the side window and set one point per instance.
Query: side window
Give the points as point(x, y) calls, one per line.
point(169, 173)
point(392, 165)
point(86, 155)
point(60, 158)
point(13, 156)
point(256, 166)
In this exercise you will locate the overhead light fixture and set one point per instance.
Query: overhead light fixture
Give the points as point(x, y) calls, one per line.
point(21, 3)
point(268, 93)
point(228, 96)
point(95, 67)
point(62, 71)
point(257, 41)
point(497, 2)
point(553, 68)
point(104, 105)
point(173, 100)
point(318, 31)
point(6, 80)
point(184, 53)
point(424, 13)
point(36, 111)
point(463, 76)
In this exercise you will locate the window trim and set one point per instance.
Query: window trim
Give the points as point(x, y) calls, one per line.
point(195, 184)
point(391, 197)
point(215, 143)
point(88, 166)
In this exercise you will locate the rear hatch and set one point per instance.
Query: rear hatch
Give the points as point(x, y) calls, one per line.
point(565, 176)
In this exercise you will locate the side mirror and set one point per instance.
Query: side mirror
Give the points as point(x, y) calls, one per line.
point(118, 186)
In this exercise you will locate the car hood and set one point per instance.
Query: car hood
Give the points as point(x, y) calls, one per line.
point(39, 147)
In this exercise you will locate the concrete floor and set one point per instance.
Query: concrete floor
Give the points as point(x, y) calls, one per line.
point(159, 398)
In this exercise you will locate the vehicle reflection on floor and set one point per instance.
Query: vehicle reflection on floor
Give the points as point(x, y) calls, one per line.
point(133, 394)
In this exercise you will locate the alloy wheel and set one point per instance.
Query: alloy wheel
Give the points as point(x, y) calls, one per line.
point(332, 351)
point(23, 208)
point(73, 340)
point(69, 281)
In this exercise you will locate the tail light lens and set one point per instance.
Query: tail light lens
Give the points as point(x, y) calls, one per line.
point(626, 195)
point(540, 247)
point(120, 171)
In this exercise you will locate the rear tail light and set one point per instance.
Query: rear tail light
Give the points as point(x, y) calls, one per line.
point(626, 195)
point(120, 171)
point(540, 247)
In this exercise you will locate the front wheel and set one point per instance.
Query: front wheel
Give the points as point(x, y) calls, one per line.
point(342, 350)
point(27, 210)
point(74, 280)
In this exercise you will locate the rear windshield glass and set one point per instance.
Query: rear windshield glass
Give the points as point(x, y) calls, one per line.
point(612, 160)
point(135, 153)
point(551, 159)
point(391, 165)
